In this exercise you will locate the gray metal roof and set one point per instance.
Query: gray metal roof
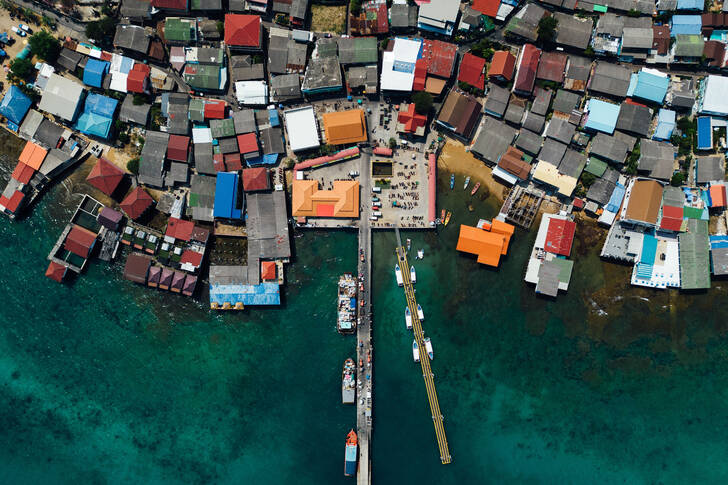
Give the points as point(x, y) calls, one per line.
point(529, 142)
point(601, 190)
point(561, 130)
point(634, 119)
point(573, 31)
point(493, 139)
point(228, 145)
point(132, 37)
point(322, 73)
point(61, 97)
point(497, 100)
point(710, 168)
point(572, 163)
point(135, 8)
point(203, 189)
point(134, 113)
point(541, 101)
point(69, 59)
point(48, 134)
point(30, 125)
point(610, 79)
point(610, 24)
point(719, 257)
point(534, 122)
point(178, 174)
point(609, 148)
point(203, 158)
point(637, 38)
point(271, 140)
point(514, 113)
point(363, 76)
point(657, 159)
point(244, 121)
point(249, 73)
point(285, 87)
point(552, 151)
point(566, 101)
point(403, 16)
point(267, 225)
point(151, 164)
point(694, 257)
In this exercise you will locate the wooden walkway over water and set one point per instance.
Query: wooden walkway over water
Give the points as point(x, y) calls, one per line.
point(437, 417)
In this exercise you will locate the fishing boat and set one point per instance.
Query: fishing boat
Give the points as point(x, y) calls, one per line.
point(467, 182)
point(346, 304)
point(351, 454)
point(415, 351)
point(409, 244)
point(420, 313)
point(475, 189)
point(421, 254)
point(348, 382)
point(447, 217)
point(428, 347)
point(398, 274)
point(452, 181)
point(408, 318)
point(442, 216)
point(413, 275)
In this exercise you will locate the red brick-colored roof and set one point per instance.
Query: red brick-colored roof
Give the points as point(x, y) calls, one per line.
point(560, 236)
point(178, 148)
point(487, 7)
point(255, 179)
point(33, 155)
point(247, 143)
point(136, 203)
point(242, 30)
point(13, 202)
point(218, 162)
point(552, 65)
point(191, 257)
point(411, 119)
point(214, 109)
point(661, 38)
point(180, 229)
point(718, 195)
point(420, 75)
point(105, 176)
point(267, 270)
point(233, 162)
point(526, 76)
point(471, 71)
point(439, 57)
point(502, 64)
point(135, 80)
point(79, 241)
point(23, 173)
point(170, 4)
point(56, 271)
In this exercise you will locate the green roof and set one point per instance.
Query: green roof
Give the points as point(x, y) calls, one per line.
point(596, 167)
point(180, 30)
point(222, 128)
point(565, 268)
point(689, 45)
point(693, 213)
point(197, 109)
point(203, 76)
point(694, 256)
point(600, 8)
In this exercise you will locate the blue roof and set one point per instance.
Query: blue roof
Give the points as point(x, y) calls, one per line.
point(615, 201)
point(685, 24)
point(94, 72)
point(226, 196)
point(269, 159)
point(602, 116)
point(97, 116)
point(273, 115)
point(705, 135)
point(15, 105)
point(648, 86)
point(665, 124)
point(262, 294)
point(126, 64)
point(690, 4)
point(101, 105)
point(718, 242)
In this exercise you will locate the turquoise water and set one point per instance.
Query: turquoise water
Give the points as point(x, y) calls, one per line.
point(107, 382)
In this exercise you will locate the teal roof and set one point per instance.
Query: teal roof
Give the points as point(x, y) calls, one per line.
point(602, 116)
point(648, 86)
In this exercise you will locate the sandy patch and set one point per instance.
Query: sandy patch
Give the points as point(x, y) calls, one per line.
point(455, 159)
point(328, 18)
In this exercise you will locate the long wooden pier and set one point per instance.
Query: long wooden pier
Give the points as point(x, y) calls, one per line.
point(437, 417)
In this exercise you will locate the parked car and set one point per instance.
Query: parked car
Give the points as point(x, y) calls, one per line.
point(25, 28)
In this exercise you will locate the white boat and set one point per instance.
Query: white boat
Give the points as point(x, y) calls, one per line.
point(398, 274)
point(415, 351)
point(420, 254)
point(413, 275)
point(428, 346)
point(467, 181)
point(409, 244)
point(420, 313)
point(408, 318)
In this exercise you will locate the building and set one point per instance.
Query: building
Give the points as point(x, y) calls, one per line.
point(713, 100)
point(551, 66)
point(634, 118)
point(409, 121)
point(136, 203)
point(488, 244)
point(492, 140)
point(229, 200)
point(502, 66)
point(15, 105)
point(256, 179)
point(710, 169)
point(345, 127)
point(657, 160)
point(512, 167)
point(650, 85)
point(97, 117)
point(251, 93)
point(105, 176)
point(548, 267)
point(372, 19)
point(695, 256)
point(642, 203)
point(302, 129)
point(496, 103)
point(131, 37)
point(610, 79)
point(439, 16)
point(600, 116)
point(151, 163)
point(459, 113)
point(137, 267)
point(688, 48)
point(573, 31)
point(61, 97)
point(527, 69)
point(472, 71)
point(342, 201)
point(243, 33)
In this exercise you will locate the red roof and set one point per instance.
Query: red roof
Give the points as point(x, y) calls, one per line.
point(13, 202)
point(411, 119)
point(218, 162)
point(471, 70)
point(180, 229)
point(256, 179)
point(233, 162)
point(420, 75)
point(552, 65)
point(23, 173)
point(56, 271)
point(170, 4)
point(579, 203)
point(671, 223)
point(79, 241)
point(267, 270)
point(215, 110)
point(439, 57)
point(672, 211)
point(247, 143)
point(136, 79)
point(242, 30)
point(190, 283)
point(486, 7)
point(526, 76)
point(136, 203)
point(192, 257)
point(502, 65)
point(560, 236)
point(717, 195)
point(105, 176)
point(178, 148)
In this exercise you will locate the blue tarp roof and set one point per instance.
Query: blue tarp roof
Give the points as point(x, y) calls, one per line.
point(690, 4)
point(665, 124)
point(262, 294)
point(685, 24)
point(705, 135)
point(101, 105)
point(615, 201)
point(273, 115)
point(94, 72)
point(648, 86)
point(226, 196)
point(602, 116)
point(718, 242)
point(15, 105)
point(270, 159)
point(97, 116)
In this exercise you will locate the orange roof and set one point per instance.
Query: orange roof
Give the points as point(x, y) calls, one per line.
point(56, 271)
point(267, 270)
point(500, 227)
point(644, 203)
point(341, 201)
point(32, 155)
point(502, 64)
point(345, 127)
point(717, 195)
point(488, 246)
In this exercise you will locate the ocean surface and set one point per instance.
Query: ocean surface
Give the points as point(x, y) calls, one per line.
point(103, 381)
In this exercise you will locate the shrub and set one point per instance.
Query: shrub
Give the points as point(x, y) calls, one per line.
point(133, 166)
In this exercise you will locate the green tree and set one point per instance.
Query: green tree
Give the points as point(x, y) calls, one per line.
point(22, 68)
point(547, 28)
point(139, 99)
point(677, 179)
point(45, 46)
point(423, 102)
point(392, 143)
point(630, 167)
point(587, 179)
point(220, 28)
point(355, 7)
point(101, 30)
point(133, 166)
point(124, 137)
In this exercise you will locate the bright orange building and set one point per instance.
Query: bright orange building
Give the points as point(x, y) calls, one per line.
point(341, 201)
point(488, 244)
point(33, 155)
point(345, 127)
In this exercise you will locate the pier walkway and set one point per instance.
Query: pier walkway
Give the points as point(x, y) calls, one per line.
point(409, 292)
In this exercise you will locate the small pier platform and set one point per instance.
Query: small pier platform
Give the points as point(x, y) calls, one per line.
point(521, 206)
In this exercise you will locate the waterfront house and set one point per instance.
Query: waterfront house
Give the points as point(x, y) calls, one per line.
point(61, 97)
point(488, 243)
point(492, 140)
point(137, 267)
point(642, 203)
point(136, 203)
point(15, 105)
point(548, 267)
point(105, 176)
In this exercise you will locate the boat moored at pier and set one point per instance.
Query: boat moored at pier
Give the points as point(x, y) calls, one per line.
point(408, 318)
point(348, 382)
point(398, 275)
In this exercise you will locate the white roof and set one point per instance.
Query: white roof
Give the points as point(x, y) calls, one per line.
point(398, 66)
point(302, 128)
point(61, 97)
point(439, 11)
point(201, 135)
point(251, 92)
point(715, 100)
point(118, 81)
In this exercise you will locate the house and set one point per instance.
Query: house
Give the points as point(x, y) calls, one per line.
point(97, 117)
point(251, 92)
point(610, 79)
point(527, 68)
point(296, 10)
point(713, 99)
point(688, 48)
point(612, 148)
point(566, 101)
point(323, 73)
point(167, 7)
point(650, 85)
point(285, 53)
point(302, 129)
point(714, 53)
point(402, 53)
point(105, 176)
point(137, 10)
point(229, 199)
point(69, 59)
point(180, 31)
point(15, 105)
point(459, 113)
point(409, 121)
point(256, 179)
point(600, 116)
point(572, 31)
point(372, 19)
point(680, 94)
point(694, 256)
point(685, 25)
point(637, 42)
point(137, 81)
point(496, 102)
point(61, 97)
point(243, 33)
point(547, 173)
point(151, 163)
point(472, 71)
point(492, 140)
point(286, 87)
point(132, 38)
point(529, 142)
point(660, 39)
point(205, 69)
point(403, 17)
point(524, 24)
point(487, 245)
point(342, 201)
point(657, 160)
point(345, 127)
point(561, 130)
point(80, 241)
point(641, 207)
point(551, 66)
point(94, 72)
point(666, 120)
point(178, 148)
point(577, 73)
point(439, 16)
point(512, 167)
point(502, 66)
point(634, 118)
point(608, 34)
point(710, 169)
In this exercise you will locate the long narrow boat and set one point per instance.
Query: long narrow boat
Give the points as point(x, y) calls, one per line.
point(467, 182)
point(415, 351)
point(398, 275)
point(452, 181)
point(408, 318)
point(413, 275)
point(442, 216)
point(420, 313)
point(447, 217)
point(475, 189)
point(351, 455)
point(428, 347)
